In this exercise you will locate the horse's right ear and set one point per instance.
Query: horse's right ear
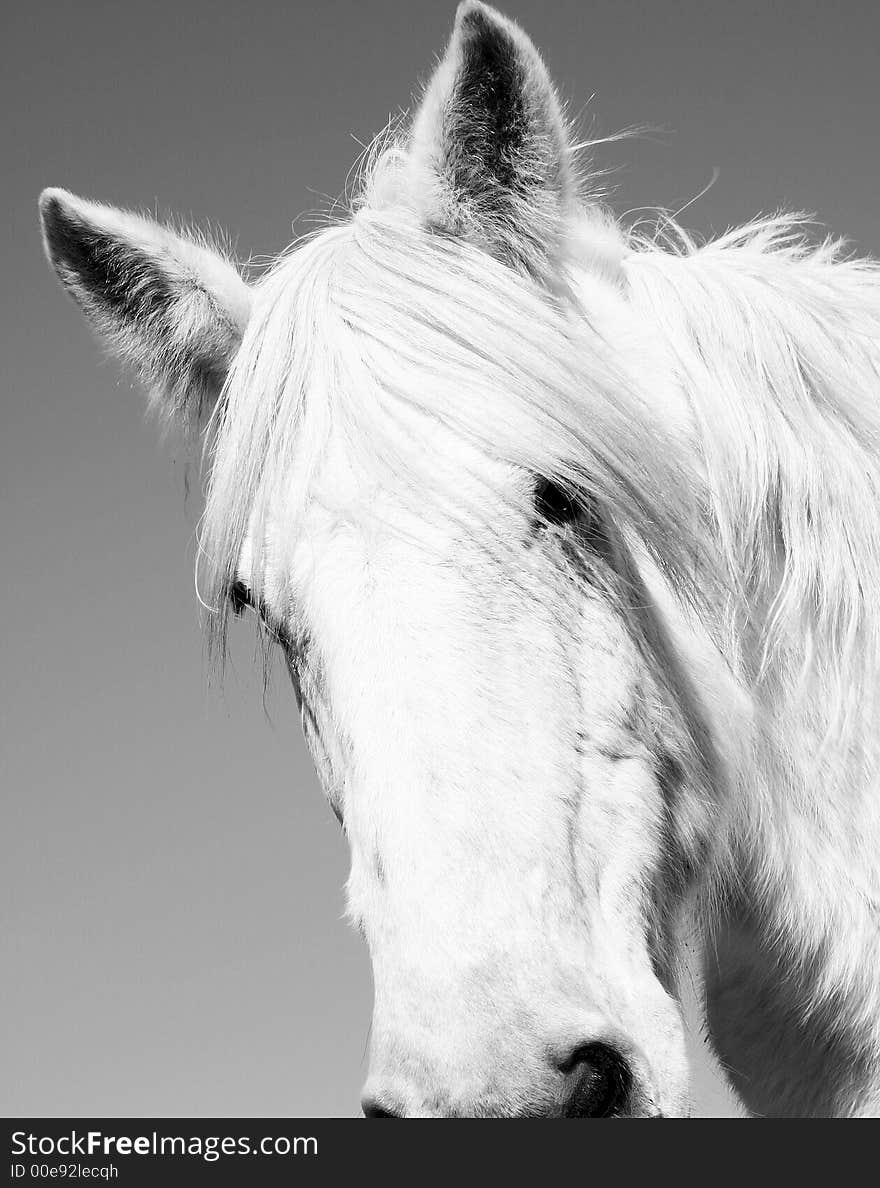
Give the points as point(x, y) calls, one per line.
point(169, 306)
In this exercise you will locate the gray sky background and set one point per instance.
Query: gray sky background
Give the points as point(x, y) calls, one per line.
point(172, 934)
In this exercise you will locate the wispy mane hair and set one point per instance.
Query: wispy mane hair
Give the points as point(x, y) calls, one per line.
point(377, 330)
point(776, 342)
point(380, 329)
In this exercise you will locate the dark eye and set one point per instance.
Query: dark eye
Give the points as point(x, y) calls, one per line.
point(553, 504)
point(240, 597)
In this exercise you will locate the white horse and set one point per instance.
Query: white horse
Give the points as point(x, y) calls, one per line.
point(572, 546)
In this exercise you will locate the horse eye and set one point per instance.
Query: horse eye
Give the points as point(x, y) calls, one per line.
point(553, 504)
point(556, 506)
point(240, 597)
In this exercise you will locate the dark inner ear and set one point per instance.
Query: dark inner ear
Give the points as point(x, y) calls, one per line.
point(491, 134)
point(172, 307)
point(493, 124)
point(135, 292)
point(130, 284)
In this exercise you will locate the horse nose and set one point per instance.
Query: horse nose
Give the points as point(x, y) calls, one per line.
point(373, 1108)
point(598, 1082)
point(593, 1080)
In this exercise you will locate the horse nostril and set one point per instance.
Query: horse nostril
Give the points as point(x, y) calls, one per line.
point(599, 1082)
point(373, 1109)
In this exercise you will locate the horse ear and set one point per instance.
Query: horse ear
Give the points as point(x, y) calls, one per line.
point(489, 154)
point(169, 306)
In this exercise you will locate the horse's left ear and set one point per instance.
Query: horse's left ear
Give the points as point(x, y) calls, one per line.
point(171, 307)
point(489, 156)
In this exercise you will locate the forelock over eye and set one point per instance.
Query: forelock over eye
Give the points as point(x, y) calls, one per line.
point(240, 597)
point(553, 504)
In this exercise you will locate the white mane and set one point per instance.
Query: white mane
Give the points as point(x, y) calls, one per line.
point(777, 345)
point(380, 329)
